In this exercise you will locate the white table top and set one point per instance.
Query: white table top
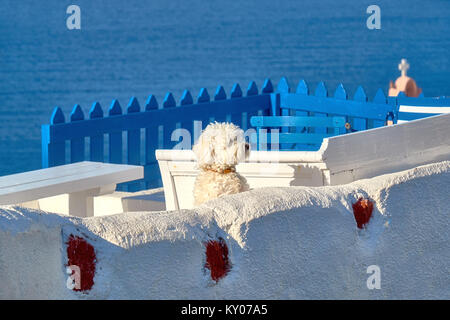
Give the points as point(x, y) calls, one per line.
point(70, 178)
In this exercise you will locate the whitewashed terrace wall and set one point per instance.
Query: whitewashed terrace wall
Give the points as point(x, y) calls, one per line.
point(284, 243)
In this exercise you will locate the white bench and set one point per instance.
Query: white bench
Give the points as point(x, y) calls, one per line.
point(68, 188)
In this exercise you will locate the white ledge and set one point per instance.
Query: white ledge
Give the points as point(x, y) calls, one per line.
point(255, 156)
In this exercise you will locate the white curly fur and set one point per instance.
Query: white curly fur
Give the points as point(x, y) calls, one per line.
point(220, 147)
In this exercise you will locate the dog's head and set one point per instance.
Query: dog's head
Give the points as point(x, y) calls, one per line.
point(221, 146)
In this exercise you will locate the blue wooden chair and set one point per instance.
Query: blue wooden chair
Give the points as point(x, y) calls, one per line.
point(302, 139)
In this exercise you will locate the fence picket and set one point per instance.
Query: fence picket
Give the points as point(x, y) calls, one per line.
point(168, 127)
point(203, 96)
point(53, 153)
point(242, 117)
point(302, 88)
point(359, 124)
point(322, 92)
point(151, 103)
point(77, 145)
point(283, 87)
point(267, 86)
point(186, 98)
point(220, 94)
point(252, 89)
point(133, 136)
point(152, 175)
point(236, 91)
point(169, 101)
point(341, 94)
point(115, 137)
point(96, 142)
point(379, 98)
point(133, 144)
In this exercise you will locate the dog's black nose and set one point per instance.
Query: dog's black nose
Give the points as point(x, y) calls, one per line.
point(247, 146)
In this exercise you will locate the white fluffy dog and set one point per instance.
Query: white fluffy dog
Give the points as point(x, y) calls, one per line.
point(218, 150)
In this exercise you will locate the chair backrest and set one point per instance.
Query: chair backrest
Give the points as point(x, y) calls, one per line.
point(302, 137)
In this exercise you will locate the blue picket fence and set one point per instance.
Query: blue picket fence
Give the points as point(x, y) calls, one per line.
point(133, 135)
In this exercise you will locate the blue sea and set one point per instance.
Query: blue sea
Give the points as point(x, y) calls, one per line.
point(136, 48)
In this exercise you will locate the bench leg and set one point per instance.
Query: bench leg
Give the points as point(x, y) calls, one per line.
point(81, 204)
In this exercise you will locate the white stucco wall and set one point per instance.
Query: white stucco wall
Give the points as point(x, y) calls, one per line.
point(284, 243)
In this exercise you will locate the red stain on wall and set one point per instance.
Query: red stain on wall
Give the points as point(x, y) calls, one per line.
point(217, 259)
point(82, 254)
point(362, 209)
